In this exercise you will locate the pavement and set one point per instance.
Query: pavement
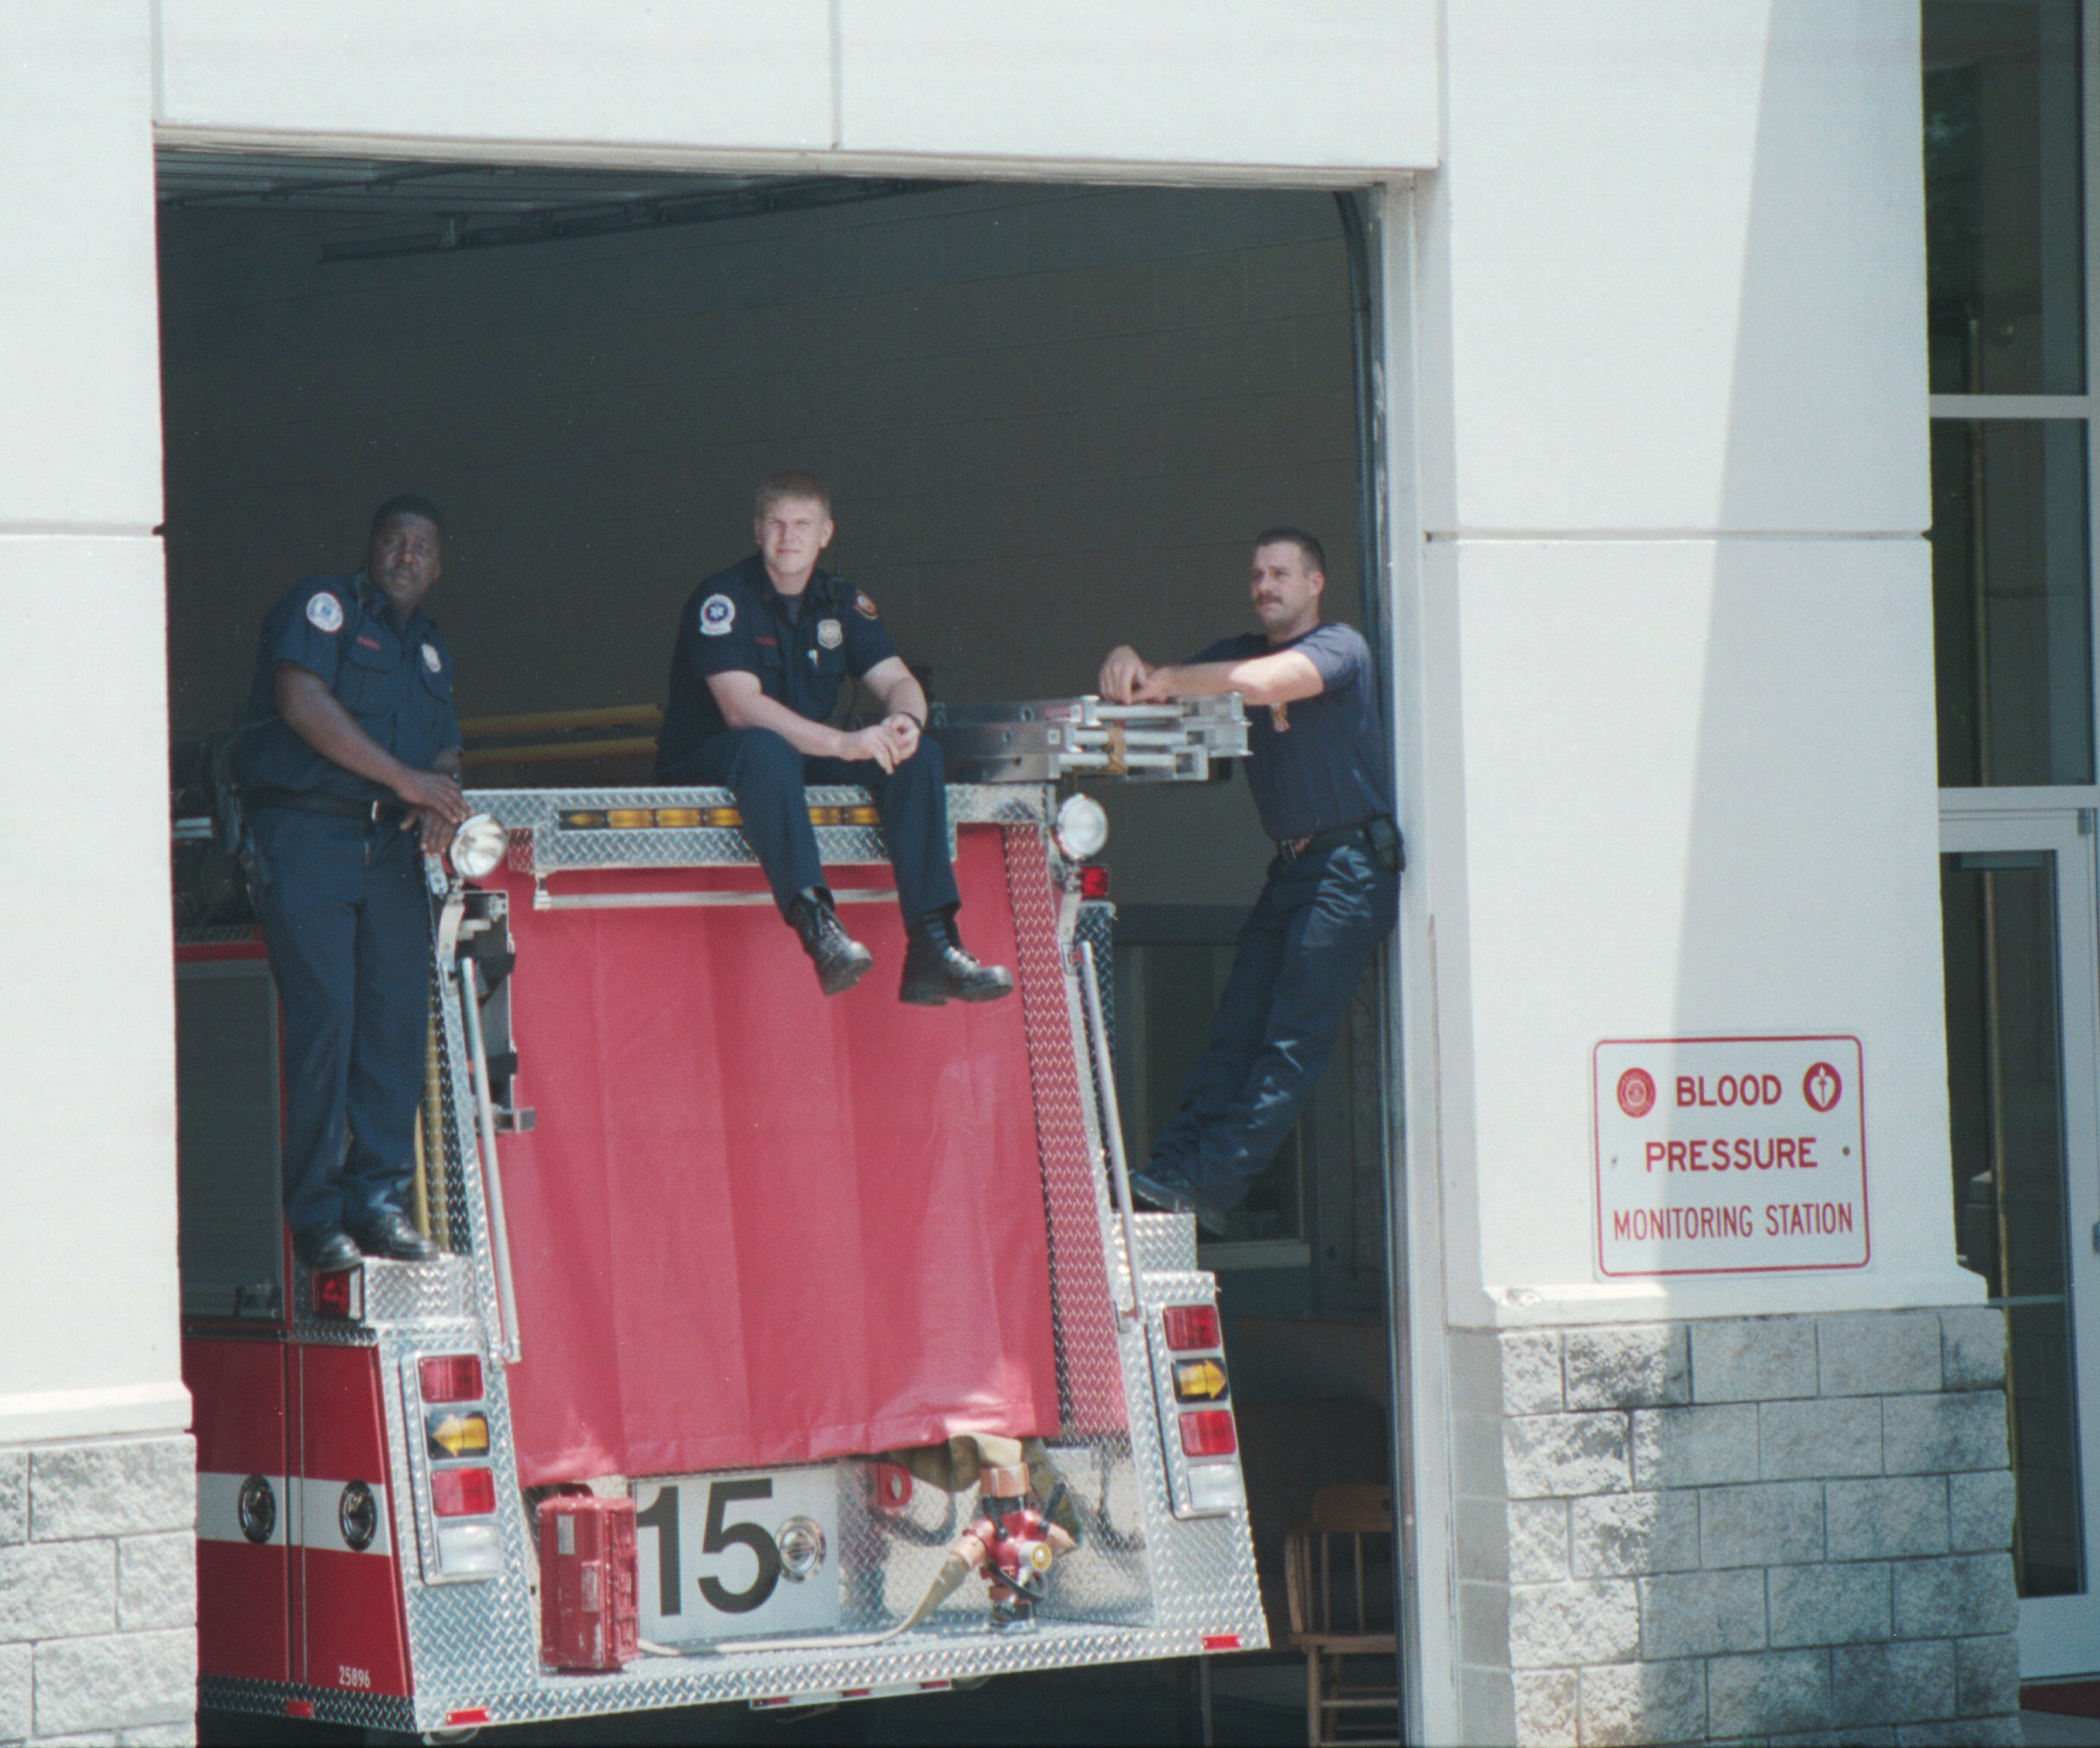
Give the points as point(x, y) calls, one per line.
point(1255, 1700)
point(2053, 1730)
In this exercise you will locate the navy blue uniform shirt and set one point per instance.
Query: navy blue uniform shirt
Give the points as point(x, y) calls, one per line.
point(1316, 763)
point(738, 622)
point(395, 679)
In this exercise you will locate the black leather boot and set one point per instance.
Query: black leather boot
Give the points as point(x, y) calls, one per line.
point(327, 1248)
point(937, 970)
point(841, 962)
point(389, 1234)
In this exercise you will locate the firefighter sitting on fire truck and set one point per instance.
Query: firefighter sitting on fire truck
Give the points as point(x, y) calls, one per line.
point(1322, 785)
point(763, 648)
point(350, 756)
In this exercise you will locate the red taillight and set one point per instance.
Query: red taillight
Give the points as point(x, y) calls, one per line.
point(471, 1492)
point(1191, 1326)
point(341, 1294)
point(1093, 882)
point(1209, 1433)
point(451, 1378)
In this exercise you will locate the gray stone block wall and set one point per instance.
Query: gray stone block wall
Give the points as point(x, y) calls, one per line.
point(1763, 1528)
point(98, 1591)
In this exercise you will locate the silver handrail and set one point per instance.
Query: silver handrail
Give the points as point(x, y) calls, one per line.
point(484, 1112)
point(1105, 1074)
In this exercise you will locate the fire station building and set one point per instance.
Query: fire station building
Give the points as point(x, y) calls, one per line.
point(1700, 1225)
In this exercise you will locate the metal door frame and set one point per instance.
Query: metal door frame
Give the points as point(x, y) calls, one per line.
point(2061, 1635)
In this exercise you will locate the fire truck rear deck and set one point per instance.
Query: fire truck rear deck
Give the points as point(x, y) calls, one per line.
point(367, 1554)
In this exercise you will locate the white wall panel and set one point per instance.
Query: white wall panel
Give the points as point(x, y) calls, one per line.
point(88, 1336)
point(1698, 799)
point(1324, 83)
point(725, 73)
point(80, 441)
point(1680, 283)
point(87, 1110)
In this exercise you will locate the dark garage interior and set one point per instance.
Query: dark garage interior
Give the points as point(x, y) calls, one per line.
point(1052, 418)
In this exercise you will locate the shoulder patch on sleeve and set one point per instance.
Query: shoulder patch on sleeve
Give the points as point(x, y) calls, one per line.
point(863, 605)
point(325, 612)
point(718, 614)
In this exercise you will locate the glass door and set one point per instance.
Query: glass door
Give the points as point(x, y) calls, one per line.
point(2018, 904)
point(2011, 112)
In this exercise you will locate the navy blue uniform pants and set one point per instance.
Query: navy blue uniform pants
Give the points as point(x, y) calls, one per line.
point(767, 775)
point(1297, 963)
point(347, 923)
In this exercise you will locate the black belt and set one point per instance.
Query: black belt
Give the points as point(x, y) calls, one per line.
point(1378, 833)
point(341, 807)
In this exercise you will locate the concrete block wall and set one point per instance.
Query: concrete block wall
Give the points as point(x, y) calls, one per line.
point(98, 1591)
point(1781, 1527)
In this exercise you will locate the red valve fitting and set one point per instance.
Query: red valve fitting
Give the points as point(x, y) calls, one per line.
point(1011, 1545)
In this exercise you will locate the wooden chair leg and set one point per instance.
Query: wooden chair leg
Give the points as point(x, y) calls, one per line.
point(1313, 1699)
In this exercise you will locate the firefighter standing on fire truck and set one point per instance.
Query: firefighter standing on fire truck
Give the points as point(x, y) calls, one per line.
point(763, 648)
point(349, 759)
point(1323, 787)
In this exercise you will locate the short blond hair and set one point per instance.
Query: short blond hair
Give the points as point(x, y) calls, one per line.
point(789, 482)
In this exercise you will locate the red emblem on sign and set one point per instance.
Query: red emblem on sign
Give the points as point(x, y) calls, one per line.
point(1636, 1092)
point(1821, 1086)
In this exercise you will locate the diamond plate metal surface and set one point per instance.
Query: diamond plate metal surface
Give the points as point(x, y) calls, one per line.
point(540, 845)
point(394, 1293)
point(1143, 1583)
point(1001, 804)
point(1095, 927)
point(1092, 1397)
point(1166, 1246)
point(468, 1643)
point(323, 1705)
point(1170, 1287)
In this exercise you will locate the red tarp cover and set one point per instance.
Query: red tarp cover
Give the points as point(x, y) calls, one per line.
point(754, 1225)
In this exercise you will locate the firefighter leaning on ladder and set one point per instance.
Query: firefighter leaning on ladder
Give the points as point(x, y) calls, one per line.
point(1323, 785)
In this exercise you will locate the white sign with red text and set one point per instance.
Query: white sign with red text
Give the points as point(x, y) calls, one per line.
point(1729, 1156)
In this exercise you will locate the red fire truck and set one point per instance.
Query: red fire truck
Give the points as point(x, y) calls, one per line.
point(781, 1350)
